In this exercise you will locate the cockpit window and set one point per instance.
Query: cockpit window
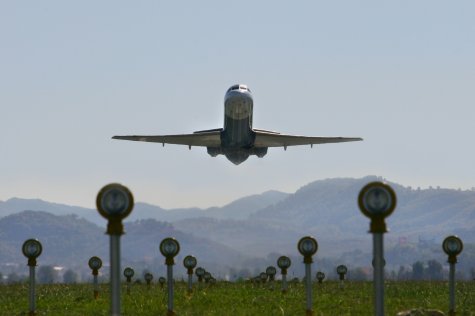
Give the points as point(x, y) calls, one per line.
point(238, 87)
point(235, 87)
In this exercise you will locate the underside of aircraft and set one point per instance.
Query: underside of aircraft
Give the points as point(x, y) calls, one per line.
point(238, 140)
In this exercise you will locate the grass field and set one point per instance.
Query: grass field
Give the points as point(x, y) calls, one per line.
point(238, 299)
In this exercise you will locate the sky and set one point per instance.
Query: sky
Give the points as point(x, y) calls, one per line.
point(400, 74)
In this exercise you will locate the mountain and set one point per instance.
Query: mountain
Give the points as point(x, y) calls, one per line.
point(238, 209)
point(70, 241)
point(259, 227)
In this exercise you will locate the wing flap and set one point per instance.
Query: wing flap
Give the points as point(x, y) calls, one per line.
point(266, 139)
point(206, 139)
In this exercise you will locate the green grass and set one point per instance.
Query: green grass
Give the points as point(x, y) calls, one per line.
point(238, 299)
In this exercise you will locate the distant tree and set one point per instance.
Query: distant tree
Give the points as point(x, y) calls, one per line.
point(70, 277)
point(417, 270)
point(46, 274)
point(434, 270)
point(358, 274)
point(401, 273)
point(13, 278)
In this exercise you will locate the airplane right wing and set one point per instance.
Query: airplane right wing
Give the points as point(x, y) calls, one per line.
point(274, 139)
point(209, 138)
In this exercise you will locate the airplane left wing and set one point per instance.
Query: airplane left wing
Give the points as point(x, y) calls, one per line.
point(273, 139)
point(210, 138)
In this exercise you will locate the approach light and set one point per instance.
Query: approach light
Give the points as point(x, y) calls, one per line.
point(284, 263)
point(169, 247)
point(377, 201)
point(320, 276)
point(307, 246)
point(452, 246)
point(162, 281)
point(200, 272)
point(128, 273)
point(32, 249)
point(190, 262)
point(271, 271)
point(263, 277)
point(207, 276)
point(115, 202)
point(341, 270)
point(95, 263)
point(148, 277)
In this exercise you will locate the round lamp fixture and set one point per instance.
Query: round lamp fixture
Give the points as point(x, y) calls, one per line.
point(307, 246)
point(189, 262)
point(341, 269)
point(169, 247)
point(32, 248)
point(377, 201)
point(283, 262)
point(148, 277)
point(95, 263)
point(114, 201)
point(452, 246)
point(271, 271)
point(128, 273)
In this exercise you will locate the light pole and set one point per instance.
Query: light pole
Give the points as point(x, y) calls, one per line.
point(452, 246)
point(207, 276)
point(162, 281)
point(320, 276)
point(32, 249)
point(169, 247)
point(308, 246)
point(190, 263)
point(271, 271)
point(115, 202)
point(95, 263)
point(148, 278)
point(341, 270)
point(284, 263)
point(128, 273)
point(200, 272)
point(377, 201)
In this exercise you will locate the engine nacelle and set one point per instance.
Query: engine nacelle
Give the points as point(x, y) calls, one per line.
point(259, 152)
point(214, 151)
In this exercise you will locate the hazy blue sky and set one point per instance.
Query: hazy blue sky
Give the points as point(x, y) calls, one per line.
point(400, 74)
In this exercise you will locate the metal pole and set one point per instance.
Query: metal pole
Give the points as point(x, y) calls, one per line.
point(452, 289)
point(190, 283)
point(308, 281)
point(378, 274)
point(284, 283)
point(170, 289)
point(115, 274)
point(32, 291)
point(96, 287)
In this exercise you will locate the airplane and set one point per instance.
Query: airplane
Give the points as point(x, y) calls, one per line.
point(238, 140)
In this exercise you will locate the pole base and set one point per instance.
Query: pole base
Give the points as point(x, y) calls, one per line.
point(96, 294)
point(309, 312)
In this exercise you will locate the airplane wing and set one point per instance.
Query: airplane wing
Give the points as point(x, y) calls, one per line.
point(210, 138)
point(274, 139)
